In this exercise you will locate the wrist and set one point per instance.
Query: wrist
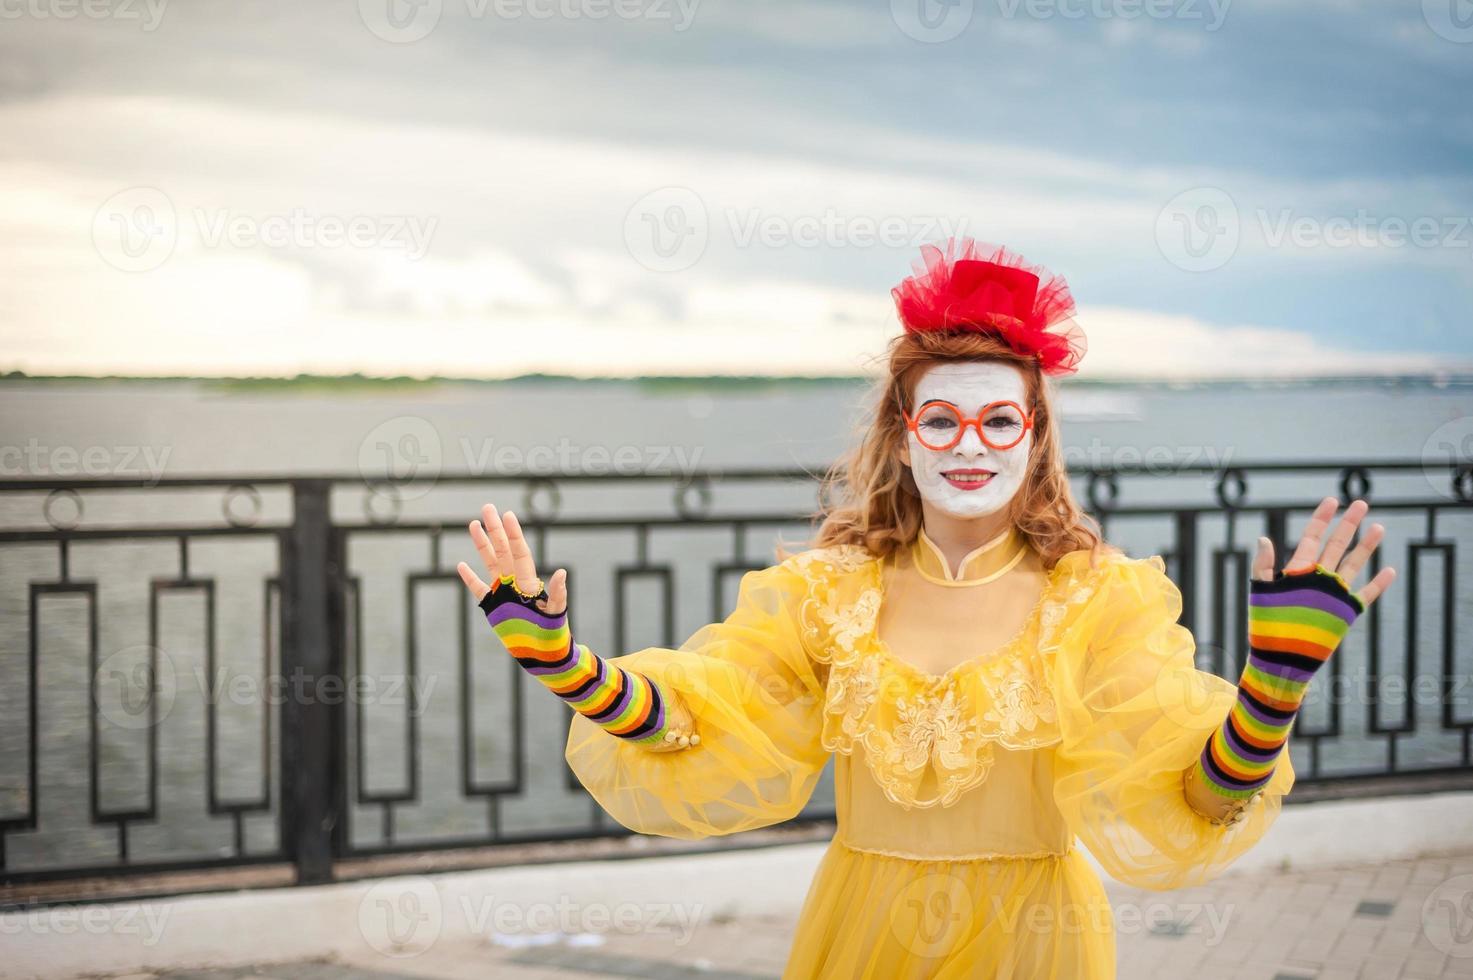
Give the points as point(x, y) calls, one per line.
point(624, 703)
point(1203, 797)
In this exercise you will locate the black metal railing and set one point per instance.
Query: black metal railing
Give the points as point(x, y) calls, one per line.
point(147, 727)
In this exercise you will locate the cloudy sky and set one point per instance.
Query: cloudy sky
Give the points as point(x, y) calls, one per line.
point(491, 187)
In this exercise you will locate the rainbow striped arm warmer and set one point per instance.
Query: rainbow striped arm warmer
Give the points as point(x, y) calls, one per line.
point(1295, 622)
point(621, 702)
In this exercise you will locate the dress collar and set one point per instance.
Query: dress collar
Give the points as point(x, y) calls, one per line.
point(982, 564)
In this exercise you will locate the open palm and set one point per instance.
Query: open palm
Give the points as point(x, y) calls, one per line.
point(504, 551)
point(1334, 556)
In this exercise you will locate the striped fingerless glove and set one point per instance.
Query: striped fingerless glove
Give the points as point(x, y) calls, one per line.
point(1295, 622)
point(622, 702)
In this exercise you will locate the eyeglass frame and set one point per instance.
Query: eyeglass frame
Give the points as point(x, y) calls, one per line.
point(963, 421)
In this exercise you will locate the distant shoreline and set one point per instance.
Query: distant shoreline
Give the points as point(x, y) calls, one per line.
point(348, 383)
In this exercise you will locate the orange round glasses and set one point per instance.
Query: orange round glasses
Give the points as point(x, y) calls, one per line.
point(941, 425)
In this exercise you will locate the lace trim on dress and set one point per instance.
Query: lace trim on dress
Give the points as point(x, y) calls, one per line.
point(911, 723)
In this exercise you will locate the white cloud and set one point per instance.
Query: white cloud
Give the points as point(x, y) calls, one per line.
point(528, 268)
point(1135, 343)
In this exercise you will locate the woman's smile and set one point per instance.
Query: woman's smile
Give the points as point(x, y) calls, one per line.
point(968, 479)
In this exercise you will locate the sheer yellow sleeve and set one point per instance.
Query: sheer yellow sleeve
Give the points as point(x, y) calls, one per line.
point(1134, 712)
point(750, 688)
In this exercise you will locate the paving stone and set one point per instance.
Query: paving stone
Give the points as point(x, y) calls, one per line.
point(1356, 921)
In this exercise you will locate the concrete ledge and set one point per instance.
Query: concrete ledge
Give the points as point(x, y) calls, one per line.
point(403, 916)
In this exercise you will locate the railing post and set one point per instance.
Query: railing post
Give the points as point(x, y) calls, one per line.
point(1186, 566)
point(313, 685)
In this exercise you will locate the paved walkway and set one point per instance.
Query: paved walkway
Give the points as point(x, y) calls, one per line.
point(1407, 919)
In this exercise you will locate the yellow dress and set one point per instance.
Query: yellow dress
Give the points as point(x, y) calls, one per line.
point(984, 724)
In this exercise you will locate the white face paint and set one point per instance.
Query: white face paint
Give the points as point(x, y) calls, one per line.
point(969, 385)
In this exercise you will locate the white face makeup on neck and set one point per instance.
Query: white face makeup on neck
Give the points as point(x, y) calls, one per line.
point(941, 475)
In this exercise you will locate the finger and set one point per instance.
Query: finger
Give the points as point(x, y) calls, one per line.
point(497, 531)
point(483, 546)
point(1377, 586)
point(1308, 551)
point(478, 589)
point(1343, 534)
point(1263, 561)
point(1351, 565)
point(522, 564)
point(557, 593)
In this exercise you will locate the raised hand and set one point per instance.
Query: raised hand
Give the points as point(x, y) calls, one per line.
point(532, 623)
point(1296, 620)
point(1334, 559)
point(504, 552)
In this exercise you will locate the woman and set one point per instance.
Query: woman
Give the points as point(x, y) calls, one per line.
point(995, 683)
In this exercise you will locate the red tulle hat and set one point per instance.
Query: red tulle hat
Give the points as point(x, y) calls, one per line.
point(986, 288)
